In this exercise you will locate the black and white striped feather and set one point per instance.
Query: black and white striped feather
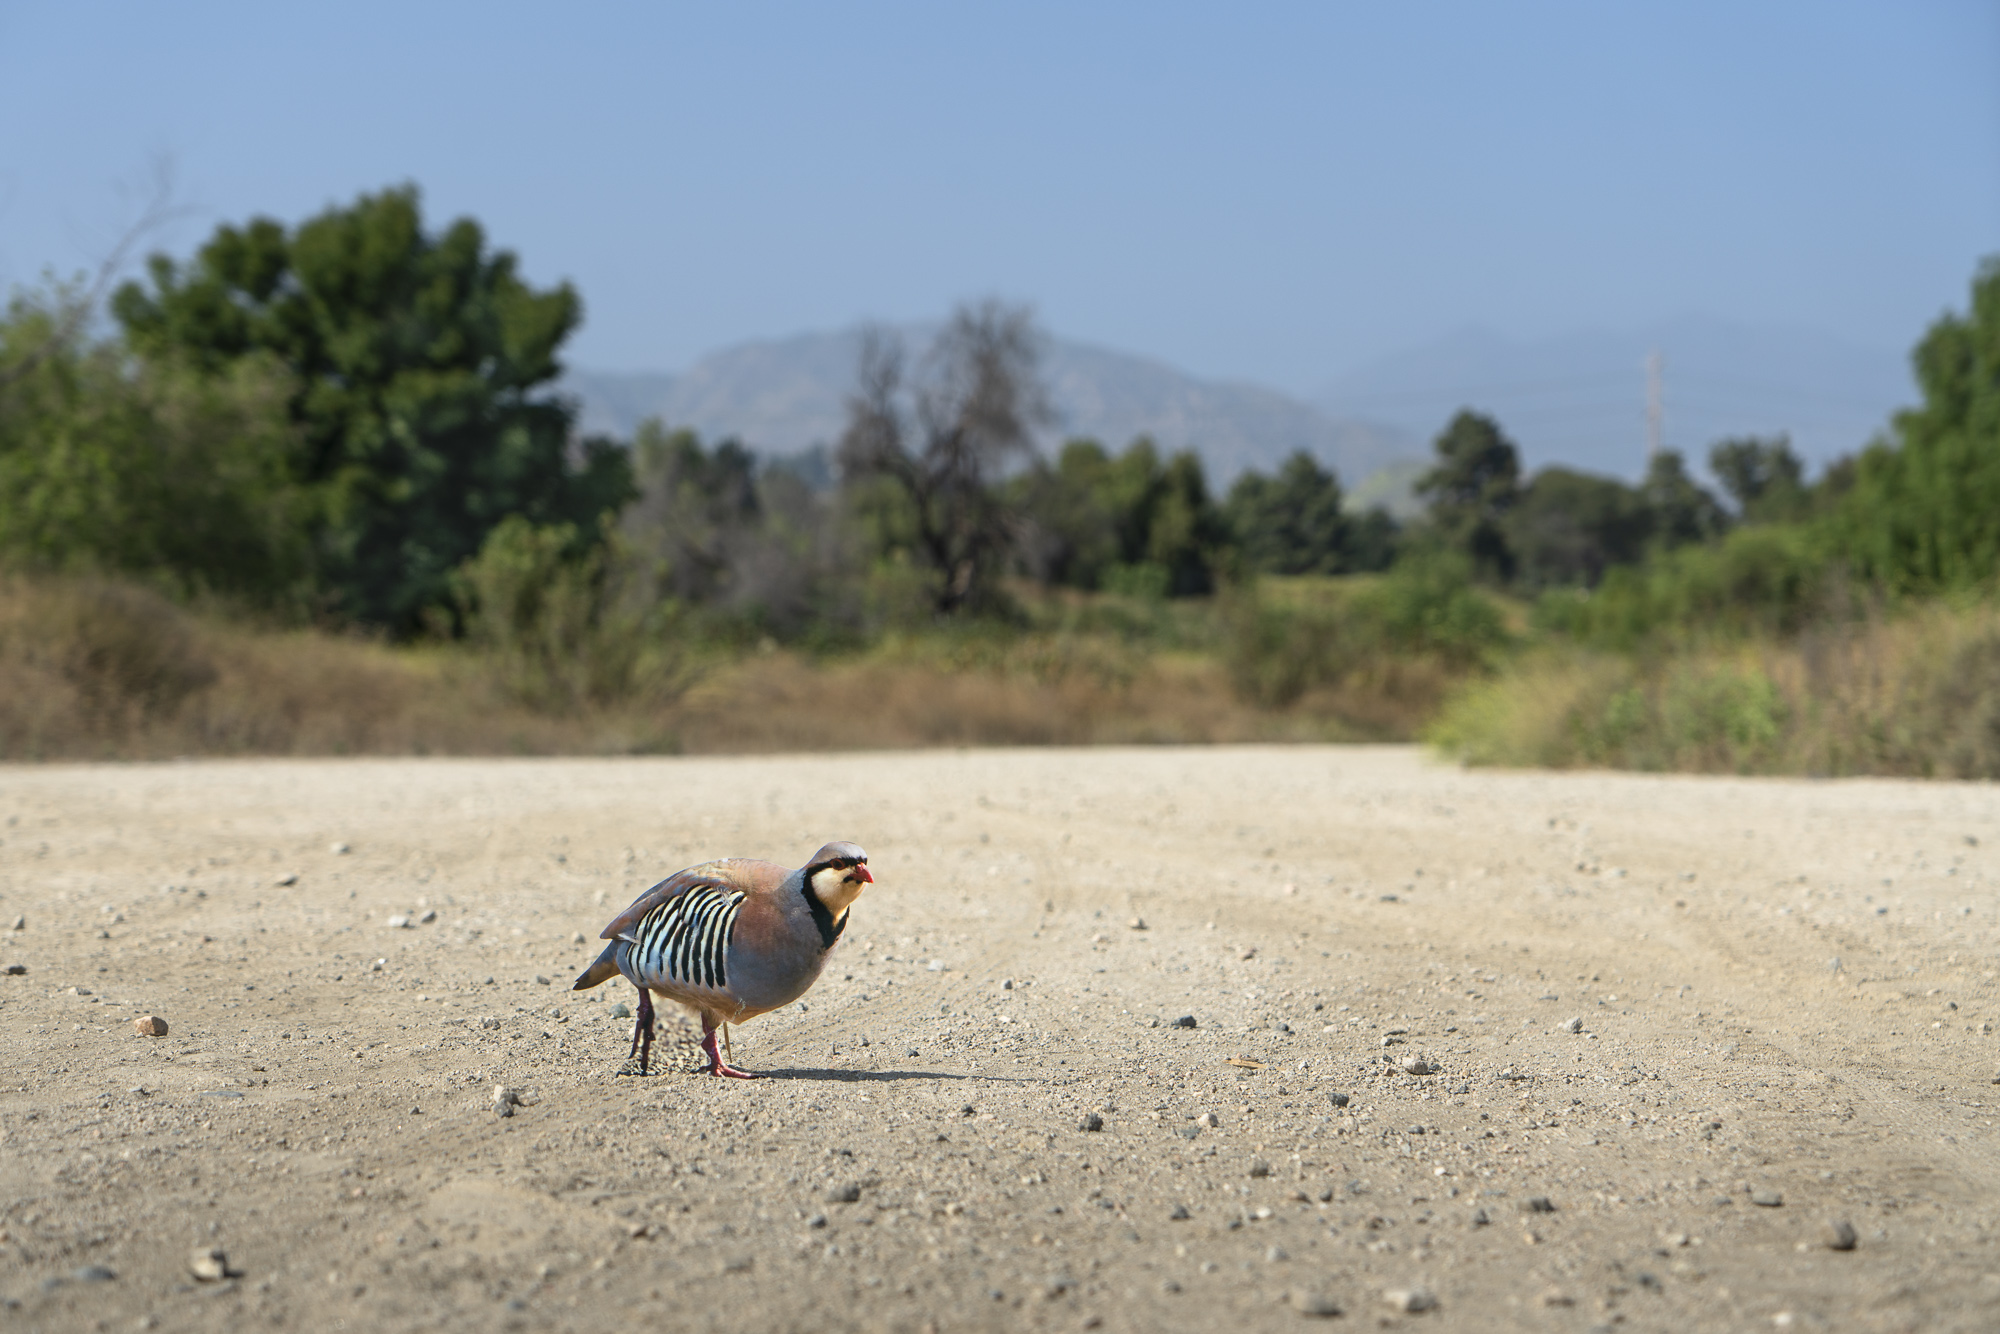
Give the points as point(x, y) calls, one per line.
point(685, 940)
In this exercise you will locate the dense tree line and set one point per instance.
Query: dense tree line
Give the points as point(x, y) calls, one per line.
point(354, 419)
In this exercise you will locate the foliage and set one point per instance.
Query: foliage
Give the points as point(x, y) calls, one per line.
point(939, 443)
point(553, 615)
point(1569, 527)
point(1292, 523)
point(147, 469)
point(417, 365)
point(1924, 515)
point(1130, 524)
point(1764, 477)
point(1682, 510)
point(1471, 488)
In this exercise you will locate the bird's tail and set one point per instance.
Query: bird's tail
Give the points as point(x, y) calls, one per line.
point(603, 970)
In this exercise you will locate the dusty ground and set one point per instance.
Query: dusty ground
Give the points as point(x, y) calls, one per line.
point(1327, 912)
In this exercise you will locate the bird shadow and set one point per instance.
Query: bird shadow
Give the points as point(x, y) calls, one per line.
point(876, 1076)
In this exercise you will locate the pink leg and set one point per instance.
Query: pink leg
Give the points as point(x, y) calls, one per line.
point(716, 1065)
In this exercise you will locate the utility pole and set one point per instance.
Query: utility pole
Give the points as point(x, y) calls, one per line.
point(1655, 410)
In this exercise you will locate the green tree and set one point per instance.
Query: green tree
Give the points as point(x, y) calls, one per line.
point(419, 364)
point(1764, 477)
point(1476, 480)
point(1924, 513)
point(150, 470)
point(1683, 511)
point(1292, 523)
point(1569, 527)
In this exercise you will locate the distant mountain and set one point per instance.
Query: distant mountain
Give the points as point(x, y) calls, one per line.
point(786, 396)
point(1579, 399)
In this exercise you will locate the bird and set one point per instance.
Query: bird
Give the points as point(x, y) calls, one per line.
point(730, 940)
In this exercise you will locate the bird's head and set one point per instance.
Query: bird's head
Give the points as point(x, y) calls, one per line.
point(836, 874)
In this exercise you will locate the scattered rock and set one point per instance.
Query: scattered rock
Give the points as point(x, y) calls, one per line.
point(1006, 984)
point(576, 938)
point(1574, 1025)
point(505, 1100)
point(17, 970)
point(150, 1026)
point(846, 1194)
point(489, 1022)
point(94, 1274)
point(1769, 1199)
point(1180, 1214)
point(208, 1264)
point(1538, 1204)
point(1208, 1120)
point(1316, 1304)
point(540, 980)
point(338, 849)
point(620, 1011)
point(398, 922)
point(378, 965)
point(1090, 1121)
point(287, 880)
point(1391, 1040)
point(1338, 1099)
point(1137, 924)
point(1276, 1255)
point(1557, 1297)
point(428, 916)
point(1837, 1235)
point(1185, 1021)
point(1479, 1218)
point(1259, 1168)
point(20, 923)
point(1410, 1300)
point(1416, 1065)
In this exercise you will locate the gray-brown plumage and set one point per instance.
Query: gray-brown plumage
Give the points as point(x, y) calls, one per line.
point(730, 940)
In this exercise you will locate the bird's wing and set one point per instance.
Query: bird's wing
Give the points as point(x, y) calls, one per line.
point(736, 874)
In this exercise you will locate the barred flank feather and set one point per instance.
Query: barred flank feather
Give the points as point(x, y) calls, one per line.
point(686, 939)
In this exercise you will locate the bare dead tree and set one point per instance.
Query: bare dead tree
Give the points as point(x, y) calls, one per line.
point(945, 438)
point(74, 314)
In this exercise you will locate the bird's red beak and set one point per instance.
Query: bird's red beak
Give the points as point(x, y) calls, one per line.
point(862, 871)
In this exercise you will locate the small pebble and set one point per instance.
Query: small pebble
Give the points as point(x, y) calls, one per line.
point(1180, 1214)
point(1317, 1304)
point(1837, 1235)
point(94, 1274)
point(208, 1264)
point(576, 938)
point(540, 980)
point(1275, 1255)
point(1417, 1065)
point(1185, 1021)
point(1259, 1168)
point(150, 1026)
point(398, 922)
point(1338, 1099)
point(620, 1011)
point(1410, 1300)
point(1573, 1025)
point(489, 1022)
point(1208, 1120)
point(1091, 1120)
point(1539, 1204)
point(287, 880)
point(1769, 1199)
point(338, 849)
point(505, 1099)
point(846, 1194)
point(20, 923)
point(1137, 924)
point(17, 970)
point(429, 915)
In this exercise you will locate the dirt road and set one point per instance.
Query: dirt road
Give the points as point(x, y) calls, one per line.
point(1783, 995)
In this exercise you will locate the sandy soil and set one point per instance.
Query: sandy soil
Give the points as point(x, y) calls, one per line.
point(1785, 993)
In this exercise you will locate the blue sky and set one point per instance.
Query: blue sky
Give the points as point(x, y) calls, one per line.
point(1274, 192)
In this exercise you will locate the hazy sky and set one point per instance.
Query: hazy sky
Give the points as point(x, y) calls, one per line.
point(1273, 192)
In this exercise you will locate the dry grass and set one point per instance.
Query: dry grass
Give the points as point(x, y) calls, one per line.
point(1914, 695)
point(97, 670)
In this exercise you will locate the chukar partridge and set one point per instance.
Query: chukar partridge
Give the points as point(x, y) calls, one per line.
point(730, 940)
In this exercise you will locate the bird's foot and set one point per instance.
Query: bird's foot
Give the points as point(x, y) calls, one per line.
point(724, 1070)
